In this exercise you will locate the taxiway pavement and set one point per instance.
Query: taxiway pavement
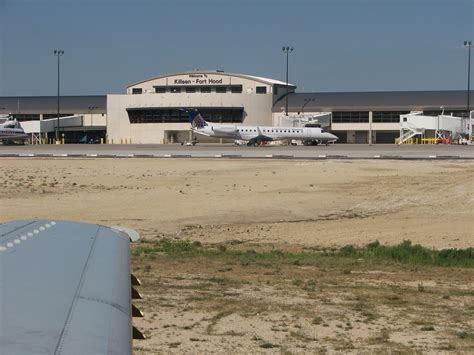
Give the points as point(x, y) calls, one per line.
point(337, 151)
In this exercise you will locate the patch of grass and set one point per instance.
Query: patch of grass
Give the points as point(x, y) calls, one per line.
point(268, 345)
point(222, 281)
point(365, 309)
point(465, 335)
point(347, 256)
point(297, 282)
point(427, 328)
point(215, 319)
point(301, 336)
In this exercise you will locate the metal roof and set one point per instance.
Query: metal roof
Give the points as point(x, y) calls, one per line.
point(48, 104)
point(375, 101)
point(218, 72)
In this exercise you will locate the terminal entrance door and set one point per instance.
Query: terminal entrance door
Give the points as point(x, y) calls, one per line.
point(361, 137)
point(181, 136)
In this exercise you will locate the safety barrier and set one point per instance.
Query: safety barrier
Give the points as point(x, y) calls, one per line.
point(420, 141)
point(53, 141)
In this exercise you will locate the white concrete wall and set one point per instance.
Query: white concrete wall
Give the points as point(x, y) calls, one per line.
point(200, 79)
point(94, 119)
point(257, 107)
point(257, 111)
point(378, 126)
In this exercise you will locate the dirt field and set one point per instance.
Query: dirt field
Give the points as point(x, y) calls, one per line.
point(199, 303)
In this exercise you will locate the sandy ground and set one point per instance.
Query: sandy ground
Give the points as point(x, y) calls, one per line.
point(271, 202)
point(198, 305)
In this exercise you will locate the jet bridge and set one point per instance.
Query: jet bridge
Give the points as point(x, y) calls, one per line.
point(40, 130)
point(320, 119)
point(416, 124)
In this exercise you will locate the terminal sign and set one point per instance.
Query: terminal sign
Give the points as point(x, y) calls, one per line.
point(195, 80)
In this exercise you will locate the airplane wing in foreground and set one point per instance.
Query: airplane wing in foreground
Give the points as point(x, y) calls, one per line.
point(65, 288)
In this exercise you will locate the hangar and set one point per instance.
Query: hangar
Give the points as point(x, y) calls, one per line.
point(149, 110)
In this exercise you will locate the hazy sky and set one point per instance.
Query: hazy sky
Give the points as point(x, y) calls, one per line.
point(340, 45)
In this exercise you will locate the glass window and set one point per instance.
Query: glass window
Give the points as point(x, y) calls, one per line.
point(387, 116)
point(350, 117)
point(36, 117)
point(160, 89)
point(458, 113)
point(136, 91)
point(190, 89)
point(261, 89)
point(175, 89)
point(162, 115)
point(221, 89)
point(236, 89)
point(205, 89)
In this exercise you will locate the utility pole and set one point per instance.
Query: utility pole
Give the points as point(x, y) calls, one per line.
point(58, 53)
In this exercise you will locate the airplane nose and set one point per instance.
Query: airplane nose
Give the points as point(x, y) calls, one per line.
point(334, 137)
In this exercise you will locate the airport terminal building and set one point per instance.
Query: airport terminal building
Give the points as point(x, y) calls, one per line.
point(149, 110)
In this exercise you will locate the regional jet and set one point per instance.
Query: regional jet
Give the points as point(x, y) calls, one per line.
point(66, 288)
point(256, 135)
point(11, 132)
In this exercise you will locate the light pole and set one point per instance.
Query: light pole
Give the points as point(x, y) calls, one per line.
point(91, 108)
point(306, 101)
point(287, 50)
point(468, 45)
point(58, 53)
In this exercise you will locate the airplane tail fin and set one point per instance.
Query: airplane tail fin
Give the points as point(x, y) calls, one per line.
point(195, 119)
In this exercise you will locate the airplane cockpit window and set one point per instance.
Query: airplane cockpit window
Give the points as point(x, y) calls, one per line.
point(322, 131)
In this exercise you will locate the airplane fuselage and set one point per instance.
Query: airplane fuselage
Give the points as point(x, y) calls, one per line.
point(265, 133)
point(13, 134)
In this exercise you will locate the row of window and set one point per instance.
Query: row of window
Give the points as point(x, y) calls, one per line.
point(457, 113)
point(350, 117)
point(273, 130)
point(387, 116)
point(36, 116)
point(363, 116)
point(221, 89)
point(166, 115)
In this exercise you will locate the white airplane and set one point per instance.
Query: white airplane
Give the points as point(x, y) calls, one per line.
point(255, 135)
point(11, 132)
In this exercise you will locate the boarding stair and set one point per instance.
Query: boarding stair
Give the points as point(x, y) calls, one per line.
point(408, 131)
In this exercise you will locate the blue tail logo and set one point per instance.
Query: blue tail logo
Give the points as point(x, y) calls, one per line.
point(196, 119)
